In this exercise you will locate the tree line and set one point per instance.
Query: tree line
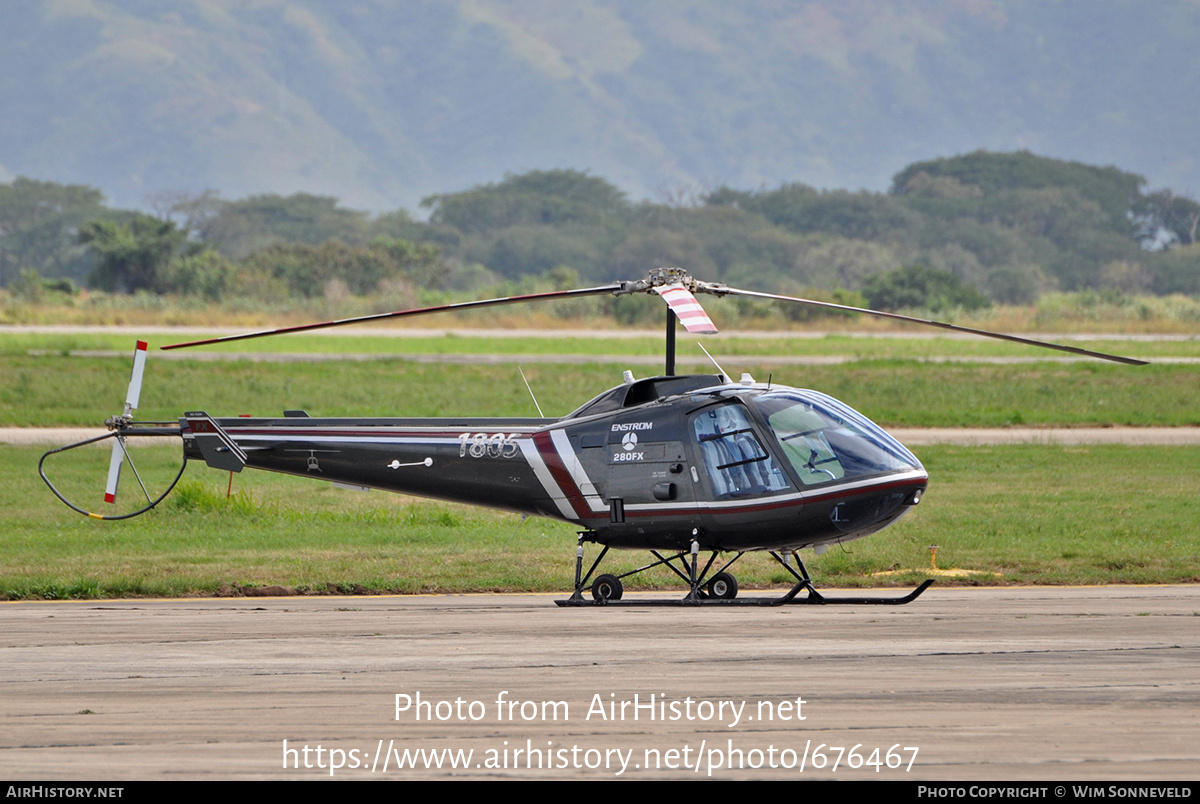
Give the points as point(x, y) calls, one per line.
point(962, 231)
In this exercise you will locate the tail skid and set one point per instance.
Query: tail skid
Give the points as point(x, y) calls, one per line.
point(119, 448)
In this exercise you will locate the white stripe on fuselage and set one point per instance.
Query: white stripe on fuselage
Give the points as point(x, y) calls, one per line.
point(562, 445)
point(542, 473)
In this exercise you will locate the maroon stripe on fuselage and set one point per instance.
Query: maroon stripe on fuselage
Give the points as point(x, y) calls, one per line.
point(767, 504)
point(558, 471)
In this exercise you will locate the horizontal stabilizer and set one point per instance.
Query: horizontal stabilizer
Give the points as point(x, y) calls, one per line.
point(219, 450)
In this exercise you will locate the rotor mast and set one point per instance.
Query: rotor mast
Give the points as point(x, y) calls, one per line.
point(676, 288)
point(669, 370)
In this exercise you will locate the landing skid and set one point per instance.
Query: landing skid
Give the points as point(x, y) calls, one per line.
point(719, 588)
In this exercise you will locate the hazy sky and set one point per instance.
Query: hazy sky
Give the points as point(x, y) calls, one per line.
point(381, 104)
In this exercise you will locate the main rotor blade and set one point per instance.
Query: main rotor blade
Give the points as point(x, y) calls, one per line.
point(471, 305)
point(940, 324)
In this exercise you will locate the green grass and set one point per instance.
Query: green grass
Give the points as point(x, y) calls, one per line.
point(915, 344)
point(888, 381)
point(1060, 515)
point(76, 391)
point(1025, 514)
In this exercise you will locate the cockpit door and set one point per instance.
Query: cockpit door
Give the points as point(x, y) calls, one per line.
point(647, 461)
point(733, 462)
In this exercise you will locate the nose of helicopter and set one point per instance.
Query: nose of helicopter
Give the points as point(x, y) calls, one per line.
point(829, 443)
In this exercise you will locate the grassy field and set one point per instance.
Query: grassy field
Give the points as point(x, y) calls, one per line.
point(890, 379)
point(1020, 514)
point(1016, 514)
point(77, 391)
point(910, 344)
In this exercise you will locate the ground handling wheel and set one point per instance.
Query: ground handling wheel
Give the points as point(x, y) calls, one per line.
point(723, 586)
point(607, 587)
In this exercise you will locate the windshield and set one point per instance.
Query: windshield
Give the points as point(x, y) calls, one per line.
point(825, 440)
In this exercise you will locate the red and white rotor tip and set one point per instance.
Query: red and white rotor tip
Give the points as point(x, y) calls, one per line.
point(686, 308)
point(114, 471)
point(135, 380)
point(132, 397)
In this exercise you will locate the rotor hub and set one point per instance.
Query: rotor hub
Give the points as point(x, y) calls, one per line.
point(667, 276)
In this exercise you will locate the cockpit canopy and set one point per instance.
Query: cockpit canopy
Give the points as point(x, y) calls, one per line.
point(825, 440)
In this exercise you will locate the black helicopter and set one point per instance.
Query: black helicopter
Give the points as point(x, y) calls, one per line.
point(676, 465)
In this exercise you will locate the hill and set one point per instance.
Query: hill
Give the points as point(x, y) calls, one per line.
point(381, 104)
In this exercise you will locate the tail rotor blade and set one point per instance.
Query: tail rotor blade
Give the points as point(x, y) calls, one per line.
point(132, 397)
point(135, 380)
point(114, 470)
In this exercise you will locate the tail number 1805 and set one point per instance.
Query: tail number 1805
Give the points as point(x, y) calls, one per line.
point(488, 445)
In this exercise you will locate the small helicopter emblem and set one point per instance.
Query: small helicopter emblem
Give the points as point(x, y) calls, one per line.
point(674, 465)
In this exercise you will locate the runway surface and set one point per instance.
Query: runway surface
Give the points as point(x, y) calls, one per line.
point(966, 684)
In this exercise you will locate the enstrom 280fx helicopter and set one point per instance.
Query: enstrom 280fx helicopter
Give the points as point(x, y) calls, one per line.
point(676, 465)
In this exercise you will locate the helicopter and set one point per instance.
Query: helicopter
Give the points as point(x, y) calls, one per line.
point(681, 466)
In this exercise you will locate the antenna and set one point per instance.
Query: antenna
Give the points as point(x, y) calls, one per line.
point(714, 362)
point(531, 396)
